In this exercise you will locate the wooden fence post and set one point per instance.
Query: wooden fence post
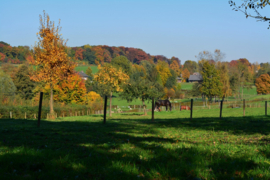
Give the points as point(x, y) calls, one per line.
point(266, 108)
point(191, 108)
point(244, 107)
point(153, 108)
point(10, 115)
point(105, 109)
point(39, 108)
point(220, 115)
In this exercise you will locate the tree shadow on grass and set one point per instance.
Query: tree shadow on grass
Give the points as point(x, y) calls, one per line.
point(117, 150)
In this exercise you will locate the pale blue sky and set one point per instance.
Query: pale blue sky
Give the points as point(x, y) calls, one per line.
point(159, 27)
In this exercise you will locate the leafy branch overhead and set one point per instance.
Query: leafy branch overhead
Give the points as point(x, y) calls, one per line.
point(254, 5)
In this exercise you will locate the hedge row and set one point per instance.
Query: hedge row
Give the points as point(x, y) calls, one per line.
point(19, 112)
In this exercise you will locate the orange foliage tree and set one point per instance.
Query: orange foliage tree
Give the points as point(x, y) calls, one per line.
point(263, 84)
point(2, 56)
point(185, 74)
point(72, 90)
point(99, 54)
point(79, 54)
point(53, 64)
point(175, 66)
point(169, 93)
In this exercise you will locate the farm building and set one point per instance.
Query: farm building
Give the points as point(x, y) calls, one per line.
point(83, 75)
point(196, 77)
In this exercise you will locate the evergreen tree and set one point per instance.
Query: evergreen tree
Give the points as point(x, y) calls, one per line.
point(7, 87)
point(211, 85)
point(23, 83)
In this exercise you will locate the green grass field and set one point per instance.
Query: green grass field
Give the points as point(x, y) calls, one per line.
point(83, 68)
point(130, 146)
point(186, 86)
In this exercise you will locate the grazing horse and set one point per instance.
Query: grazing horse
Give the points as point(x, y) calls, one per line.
point(163, 103)
point(184, 108)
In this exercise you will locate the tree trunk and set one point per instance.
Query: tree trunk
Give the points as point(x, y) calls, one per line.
point(242, 91)
point(110, 114)
point(144, 110)
point(51, 100)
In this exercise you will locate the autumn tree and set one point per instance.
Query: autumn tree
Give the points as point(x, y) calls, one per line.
point(112, 78)
point(164, 71)
point(53, 64)
point(71, 90)
point(169, 93)
point(254, 5)
point(224, 79)
point(79, 54)
point(2, 57)
point(9, 69)
point(99, 54)
point(185, 74)
point(263, 84)
point(175, 66)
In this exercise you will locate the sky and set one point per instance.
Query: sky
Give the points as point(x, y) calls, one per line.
point(159, 27)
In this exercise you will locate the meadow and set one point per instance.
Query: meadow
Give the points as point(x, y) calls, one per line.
point(131, 146)
point(83, 68)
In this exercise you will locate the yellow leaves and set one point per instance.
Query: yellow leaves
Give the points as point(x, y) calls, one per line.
point(110, 76)
point(93, 97)
point(164, 71)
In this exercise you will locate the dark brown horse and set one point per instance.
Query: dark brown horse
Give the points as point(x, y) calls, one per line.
point(184, 108)
point(163, 103)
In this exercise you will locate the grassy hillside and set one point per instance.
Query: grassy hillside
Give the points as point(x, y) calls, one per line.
point(186, 86)
point(130, 146)
point(83, 68)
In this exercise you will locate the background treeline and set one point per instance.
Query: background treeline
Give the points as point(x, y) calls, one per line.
point(137, 76)
point(89, 54)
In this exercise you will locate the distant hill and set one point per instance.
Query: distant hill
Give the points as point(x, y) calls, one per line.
point(92, 54)
point(103, 53)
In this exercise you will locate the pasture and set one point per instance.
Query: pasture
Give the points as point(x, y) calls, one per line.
point(131, 146)
point(83, 68)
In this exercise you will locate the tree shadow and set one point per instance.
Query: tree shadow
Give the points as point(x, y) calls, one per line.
point(92, 150)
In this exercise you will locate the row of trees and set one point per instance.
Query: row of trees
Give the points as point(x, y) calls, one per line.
point(15, 55)
point(91, 54)
point(223, 79)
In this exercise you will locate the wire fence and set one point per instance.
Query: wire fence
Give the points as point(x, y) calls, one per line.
point(13, 107)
